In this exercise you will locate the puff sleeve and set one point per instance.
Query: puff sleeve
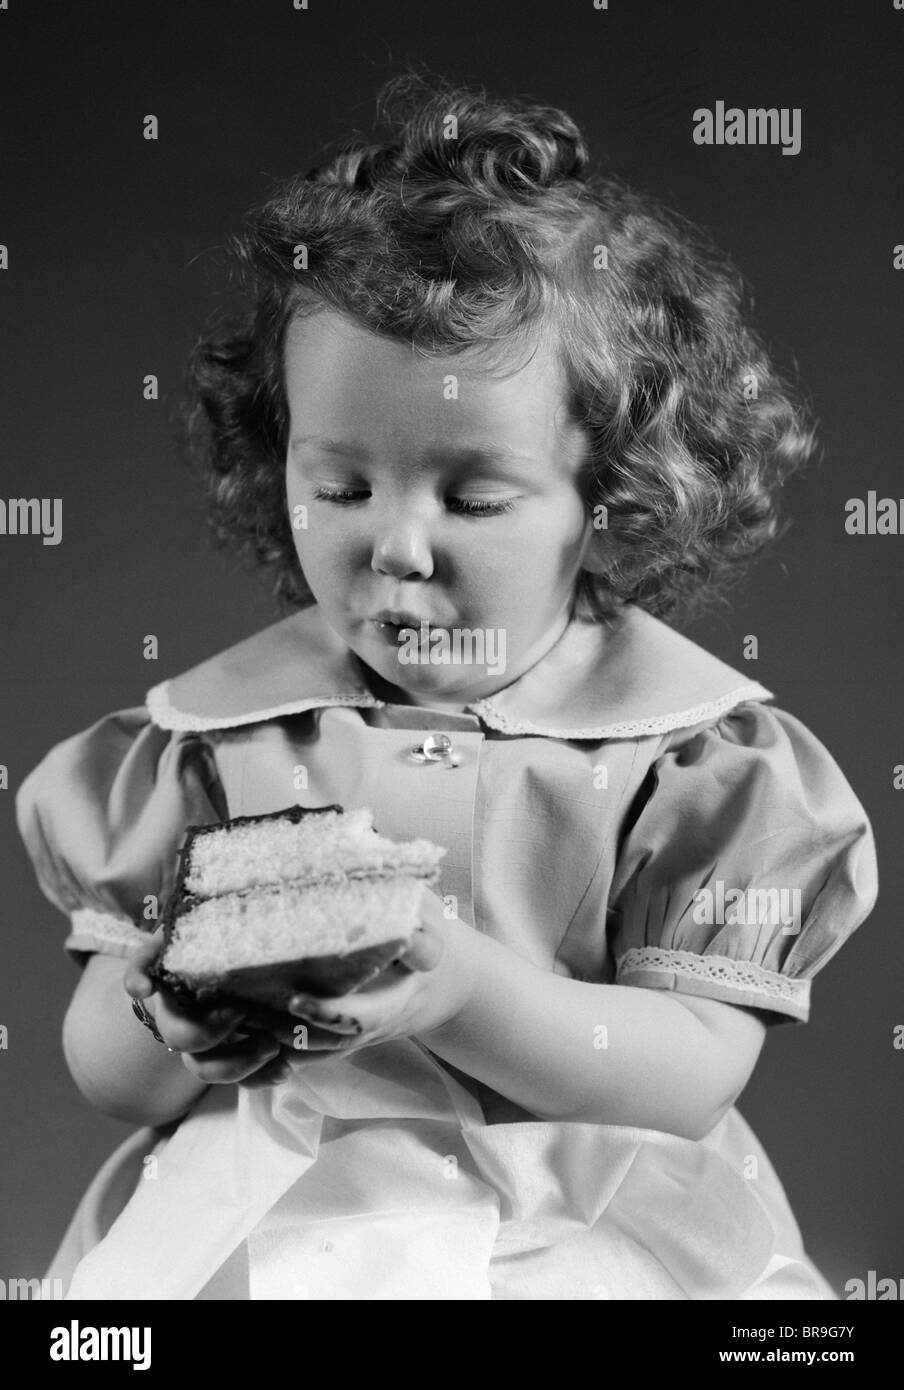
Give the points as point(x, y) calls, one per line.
point(102, 817)
point(746, 862)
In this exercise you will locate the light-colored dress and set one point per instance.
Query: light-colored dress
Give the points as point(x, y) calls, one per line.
point(629, 811)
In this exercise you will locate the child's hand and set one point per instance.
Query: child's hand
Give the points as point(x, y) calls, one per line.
point(421, 990)
point(418, 993)
point(211, 1046)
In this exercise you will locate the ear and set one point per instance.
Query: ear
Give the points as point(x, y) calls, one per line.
point(596, 542)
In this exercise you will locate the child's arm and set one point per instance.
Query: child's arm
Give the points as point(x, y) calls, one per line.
point(560, 1048)
point(117, 1065)
point(121, 1068)
point(607, 1054)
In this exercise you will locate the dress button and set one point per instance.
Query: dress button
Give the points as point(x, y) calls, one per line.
point(436, 748)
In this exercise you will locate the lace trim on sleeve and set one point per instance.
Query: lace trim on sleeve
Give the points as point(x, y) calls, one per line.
point(103, 931)
point(739, 976)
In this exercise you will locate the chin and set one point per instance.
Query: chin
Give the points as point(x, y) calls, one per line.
point(429, 689)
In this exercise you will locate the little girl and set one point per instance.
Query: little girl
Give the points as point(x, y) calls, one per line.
point(484, 394)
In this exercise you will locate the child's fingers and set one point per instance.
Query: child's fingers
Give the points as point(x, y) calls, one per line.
point(232, 1062)
point(273, 1021)
point(270, 1074)
point(294, 1034)
point(325, 1036)
point(346, 1018)
point(136, 980)
point(333, 1015)
point(424, 951)
point(192, 1032)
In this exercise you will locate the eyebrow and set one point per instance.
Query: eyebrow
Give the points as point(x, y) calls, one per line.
point(479, 451)
point(330, 446)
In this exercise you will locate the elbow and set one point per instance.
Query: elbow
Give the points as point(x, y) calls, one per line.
point(106, 1089)
point(710, 1109)
point(720, 1063)
point(96, 1088)
point(689, 1111)
point(115, 1107)
point(697, 1126)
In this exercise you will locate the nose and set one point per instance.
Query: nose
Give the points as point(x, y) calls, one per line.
point(402, 547)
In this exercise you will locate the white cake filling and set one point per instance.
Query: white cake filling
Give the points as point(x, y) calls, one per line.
point(288, 922)
point(330, 844)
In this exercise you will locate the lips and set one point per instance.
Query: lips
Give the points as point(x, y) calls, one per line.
point(398, 617)
point(397, 625)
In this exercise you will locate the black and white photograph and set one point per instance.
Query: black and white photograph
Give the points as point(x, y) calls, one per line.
point(451, 767)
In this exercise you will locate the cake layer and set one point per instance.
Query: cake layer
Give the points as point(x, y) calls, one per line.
point(303, 899)
point(247, 853)
point(275, 985)
point(285, 922)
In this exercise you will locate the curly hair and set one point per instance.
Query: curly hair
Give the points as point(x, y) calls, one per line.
point(480, 225)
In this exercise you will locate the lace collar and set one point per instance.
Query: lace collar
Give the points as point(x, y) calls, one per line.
point(633, 677)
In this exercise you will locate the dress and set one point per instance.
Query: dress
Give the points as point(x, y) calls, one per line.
point(618, 813)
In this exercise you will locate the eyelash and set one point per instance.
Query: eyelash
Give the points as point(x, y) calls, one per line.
point(466, 505)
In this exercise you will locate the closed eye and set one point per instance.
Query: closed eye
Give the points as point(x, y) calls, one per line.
point(466, 505)
point(470, 507)
point(338, 495)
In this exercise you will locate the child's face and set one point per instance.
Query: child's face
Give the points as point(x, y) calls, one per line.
point(371, 419)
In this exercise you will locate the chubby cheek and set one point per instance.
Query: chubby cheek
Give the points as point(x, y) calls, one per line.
point(313, 558)
point(317, 553)
point(538, 565)
point(325, 566)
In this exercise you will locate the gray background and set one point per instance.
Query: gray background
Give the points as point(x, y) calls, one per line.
point(110, 278)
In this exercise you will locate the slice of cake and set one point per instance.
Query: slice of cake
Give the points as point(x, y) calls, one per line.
point(264, 907)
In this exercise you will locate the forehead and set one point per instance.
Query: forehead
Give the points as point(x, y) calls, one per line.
point(337, 371)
